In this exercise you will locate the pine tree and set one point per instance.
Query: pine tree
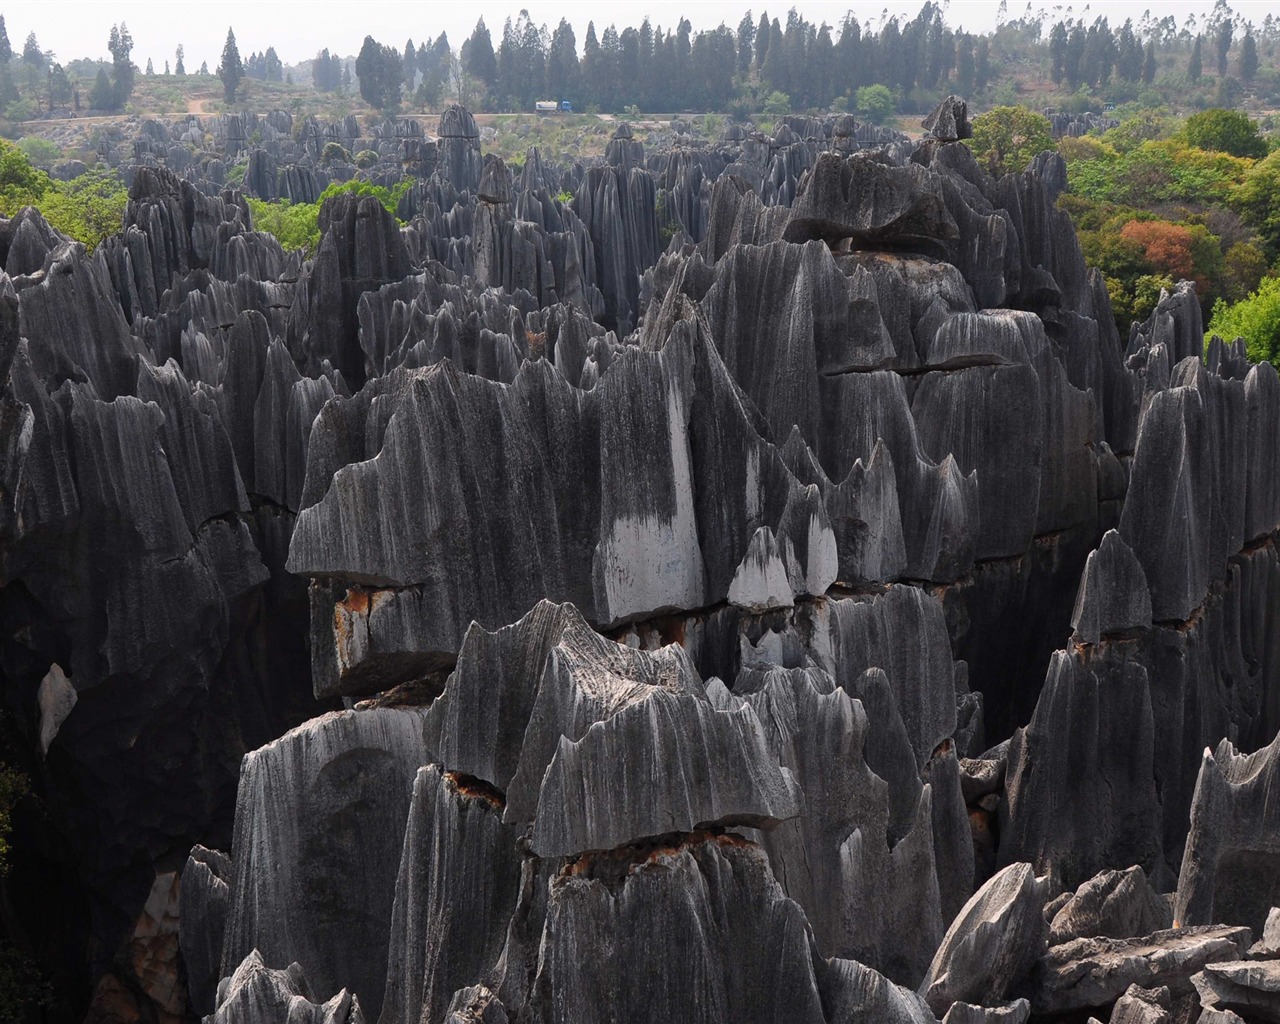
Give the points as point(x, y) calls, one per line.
point(478, 58)
point(179, 68)
point(1195, 67)
point(1222, 42)
point(562, 62)
point(1058, 53)
point(1149, 63)
point(8, 91)
point(121, 46)
point(982, 63)
point(1248, 56)
point(965, 68)
point(151, 68)
point(746, 37)
point(102, 97)
point(764, 38)
point(231, 68)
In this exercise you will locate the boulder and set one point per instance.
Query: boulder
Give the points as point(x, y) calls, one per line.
point(992, 944)
point(1115, 904)
point(1088, 973)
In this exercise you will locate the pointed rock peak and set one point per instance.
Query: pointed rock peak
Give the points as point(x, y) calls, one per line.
point(1114, 597)
point(495, 183)
point(760, 582)
point(949, 121)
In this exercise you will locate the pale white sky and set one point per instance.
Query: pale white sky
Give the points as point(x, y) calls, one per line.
point(298, 28)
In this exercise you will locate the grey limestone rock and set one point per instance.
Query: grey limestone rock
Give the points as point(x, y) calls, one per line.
point(853, 993)
point(204, 898)
point(455, 894)
point(320, 820)
point(1015, 1012)
point(257, 994)
point(1113, 597)
point(1230, 867)
point(949, 120)
point(671, 763)
point(734, 948)
point(1087, 973)
point(1248, 988)
point(477, 725)
point(1142, 1006)
point(475, 1005)
point(1102, 784)
point(992, 944)
point(877, 206)
point(1268, 946)
point(1116, 904)
point(587, 679)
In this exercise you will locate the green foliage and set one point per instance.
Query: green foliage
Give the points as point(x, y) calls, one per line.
point(1159, 171)
point(874, 102)
point(1144, 126)
point(297, 225)
point(1256, 319)
point(366, 158)
point(776, 104)
point(1258, 198)
point(333, 151)
point(1007, 138)
point(231, 68)
point(23, 109)
point(1225, 131)
point(88, 208)
point(1244, 264)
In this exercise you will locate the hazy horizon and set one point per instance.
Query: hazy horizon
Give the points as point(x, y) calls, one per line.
point(75, 29)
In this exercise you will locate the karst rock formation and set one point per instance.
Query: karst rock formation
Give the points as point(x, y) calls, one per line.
point(738, 582)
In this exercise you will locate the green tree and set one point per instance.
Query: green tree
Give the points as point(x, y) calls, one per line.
point(230, 68)
point(122, 71)
point(1225, 131)
point(478, 59)
point(1222, 42)
point(102, 96)
point(1149, 63)
point(875, 103)
point(179, 68)
point(380, 71)
point(1248, 56)
point(1007, 138)
point(1196, 65)
point(1256, 319)
point(1257, 199)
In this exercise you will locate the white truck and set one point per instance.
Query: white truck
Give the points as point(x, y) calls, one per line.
point(552, 107)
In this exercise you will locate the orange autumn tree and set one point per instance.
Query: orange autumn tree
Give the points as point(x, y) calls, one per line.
point(1166, 246)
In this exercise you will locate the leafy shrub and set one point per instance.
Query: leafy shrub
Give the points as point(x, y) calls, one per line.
point(874, 102)
point(366, 158)
point(777, 104)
